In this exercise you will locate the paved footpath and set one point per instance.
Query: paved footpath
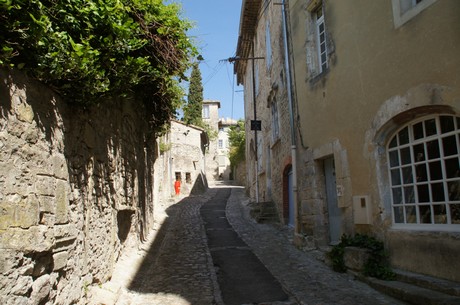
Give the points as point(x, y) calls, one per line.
point(175, 266)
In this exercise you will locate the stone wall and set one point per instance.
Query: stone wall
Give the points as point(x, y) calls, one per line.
point(212, 151)
point(76, 188)
point(187, 152)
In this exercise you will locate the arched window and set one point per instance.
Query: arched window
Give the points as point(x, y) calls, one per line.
point(424, 171)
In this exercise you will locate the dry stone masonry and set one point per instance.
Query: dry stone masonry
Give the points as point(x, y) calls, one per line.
point(76, 188)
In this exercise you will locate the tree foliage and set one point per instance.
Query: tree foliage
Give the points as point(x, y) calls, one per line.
point(237, 139)
point(90, 49)
point(193, 108)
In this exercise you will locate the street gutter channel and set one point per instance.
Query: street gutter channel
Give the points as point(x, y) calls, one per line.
point(242, 278)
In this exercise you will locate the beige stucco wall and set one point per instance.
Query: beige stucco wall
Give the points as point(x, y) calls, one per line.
point(376, 73)
point(374, 63)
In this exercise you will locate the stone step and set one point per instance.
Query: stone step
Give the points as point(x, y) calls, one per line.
point(269, 213)
point(428, 282)
point(410, 287)
point(412, 294)
point(265, 212)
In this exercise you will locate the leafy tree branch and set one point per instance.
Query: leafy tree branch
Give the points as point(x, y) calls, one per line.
point(88, 50)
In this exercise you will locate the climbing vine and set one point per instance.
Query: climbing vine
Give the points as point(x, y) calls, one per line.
point(87, 50)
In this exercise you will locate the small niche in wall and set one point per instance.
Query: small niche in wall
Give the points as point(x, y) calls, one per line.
point(124, 221)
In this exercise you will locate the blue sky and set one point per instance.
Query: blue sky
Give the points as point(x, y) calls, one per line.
point(216, 35)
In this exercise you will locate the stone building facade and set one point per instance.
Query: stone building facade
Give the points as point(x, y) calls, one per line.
point(377, 113)
point(210, 116)
point(223, 148)
point(268, 158)
point(182, 157)
point(76, 188)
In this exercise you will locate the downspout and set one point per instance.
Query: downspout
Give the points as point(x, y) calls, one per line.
point(291, 118)
point(255, 119)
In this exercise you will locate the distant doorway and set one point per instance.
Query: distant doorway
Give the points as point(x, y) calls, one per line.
point(334, 212)
point(291, 219)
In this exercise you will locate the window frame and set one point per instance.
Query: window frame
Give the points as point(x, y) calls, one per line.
point(268, 45)
point(260, 146)
point(205, 113)
point(320, 22)
point(275, 119)
point(256, 78)
point(428, 173)
point(402, 15)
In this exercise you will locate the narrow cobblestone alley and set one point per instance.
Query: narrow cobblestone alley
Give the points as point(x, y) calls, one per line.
point(176, 266)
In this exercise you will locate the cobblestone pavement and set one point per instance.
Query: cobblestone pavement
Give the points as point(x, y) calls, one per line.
point(175, 266)
point(306, 279)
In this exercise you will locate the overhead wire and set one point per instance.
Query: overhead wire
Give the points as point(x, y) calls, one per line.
point(215, 70)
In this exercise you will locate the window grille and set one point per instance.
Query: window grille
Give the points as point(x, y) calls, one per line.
point(321, 38)
point(206, 111)
point(424, 172)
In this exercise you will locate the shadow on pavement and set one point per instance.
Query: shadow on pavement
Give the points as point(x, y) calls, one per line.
point(177, 262)
point(188, 262)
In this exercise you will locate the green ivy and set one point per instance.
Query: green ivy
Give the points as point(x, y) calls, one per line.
point(237, 138)
point(91, 49)
point(164, 147)
point(377, 264)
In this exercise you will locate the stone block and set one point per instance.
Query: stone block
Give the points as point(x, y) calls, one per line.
point(62, 202)
point(14, 300)
point(6, 214)
point(355, 258)
point(60, 260)
point(23, 284)
point(45, 185)
point(25, 113)
point(23, 214)
point(47, 204)
point(35, 239)
point(27, 269)
point(60, 169)
point(31, 135)
point(65, 231)
point(11, 174)
point(9, 259)
point(41, 288)
point(47, 219)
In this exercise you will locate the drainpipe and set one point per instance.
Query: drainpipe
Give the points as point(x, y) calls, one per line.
point(291, 117)
point(255, 118)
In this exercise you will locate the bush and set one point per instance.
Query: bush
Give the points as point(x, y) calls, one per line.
point(90, 49)
point(377, 264)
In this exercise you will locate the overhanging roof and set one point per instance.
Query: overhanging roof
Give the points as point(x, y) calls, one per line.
point(248, 23)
